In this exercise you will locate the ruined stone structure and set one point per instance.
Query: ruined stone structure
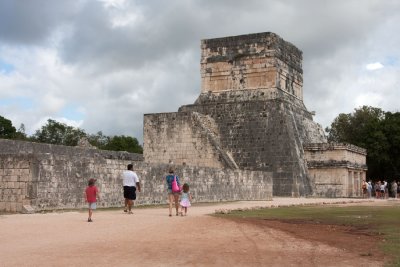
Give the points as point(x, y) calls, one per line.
point(41, 177)
point(249, 115)
point(336, 169)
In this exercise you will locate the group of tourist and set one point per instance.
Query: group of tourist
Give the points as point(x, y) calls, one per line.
point(131, 183)
point(380, 189)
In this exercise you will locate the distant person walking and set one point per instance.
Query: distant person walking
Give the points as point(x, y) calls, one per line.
point(92, 195)
point(173, 196)
point(377, 189)
point(186, 197)
point(382, 186)
point(364, 188)
point(394, 189)
point(131, 184)
point(386, 189)
point(369, 188)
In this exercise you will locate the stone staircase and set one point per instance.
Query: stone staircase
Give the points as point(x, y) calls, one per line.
point(210, 129)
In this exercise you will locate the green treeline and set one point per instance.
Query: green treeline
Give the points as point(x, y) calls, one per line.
point(61, 134)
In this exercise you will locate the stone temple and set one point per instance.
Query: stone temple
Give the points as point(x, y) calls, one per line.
point(250, 115)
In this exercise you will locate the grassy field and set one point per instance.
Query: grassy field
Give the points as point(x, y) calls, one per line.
point(380, 220)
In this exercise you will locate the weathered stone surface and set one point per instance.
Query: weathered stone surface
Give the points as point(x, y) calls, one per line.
point(27, 209)
point(336, 170)
point(253, 61)
point(84, 142)
point(54, 177)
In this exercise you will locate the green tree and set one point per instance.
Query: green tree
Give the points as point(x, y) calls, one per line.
point(391, 129)
point(124, 143)
point(58, 133)
point(7, 130)
point(340, 129)
point(61, 134)
point(20, 134)
point(115, 143)
point(98, 140)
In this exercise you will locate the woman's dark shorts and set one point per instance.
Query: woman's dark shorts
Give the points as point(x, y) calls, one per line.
point(130, 192)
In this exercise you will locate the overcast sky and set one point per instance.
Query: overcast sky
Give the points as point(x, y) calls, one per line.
point(101, 65)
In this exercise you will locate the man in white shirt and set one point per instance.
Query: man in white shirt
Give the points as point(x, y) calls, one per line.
point(131, 183)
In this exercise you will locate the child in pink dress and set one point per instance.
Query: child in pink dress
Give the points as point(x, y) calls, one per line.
point(186, 197)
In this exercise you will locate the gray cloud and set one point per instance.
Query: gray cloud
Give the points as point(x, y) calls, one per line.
point(32, 22)
point(117, 62)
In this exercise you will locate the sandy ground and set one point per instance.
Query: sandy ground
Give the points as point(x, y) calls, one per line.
point(150, 238)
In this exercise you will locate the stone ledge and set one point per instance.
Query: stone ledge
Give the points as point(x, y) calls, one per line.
point(338, 202)
point(335, 164)
point(334, 146)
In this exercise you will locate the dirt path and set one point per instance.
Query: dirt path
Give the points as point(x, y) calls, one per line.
point(150, 238)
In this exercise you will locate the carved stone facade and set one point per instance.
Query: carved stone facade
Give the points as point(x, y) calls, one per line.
point(336, 170)
point(254, 61)
point(249, 115)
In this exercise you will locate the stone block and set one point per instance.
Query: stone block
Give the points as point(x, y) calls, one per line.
point(11, 185)
point(13, 178)
point(7, 206)
point(27, 209)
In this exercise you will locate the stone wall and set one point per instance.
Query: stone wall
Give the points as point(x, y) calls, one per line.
point(206, 184)
point(15, 181)
point(253, 135)
point(329, 182)
point(337, 182)
point(181, 139)
point(49, 177)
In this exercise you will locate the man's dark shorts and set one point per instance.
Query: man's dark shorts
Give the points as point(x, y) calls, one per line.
point(130, 192)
